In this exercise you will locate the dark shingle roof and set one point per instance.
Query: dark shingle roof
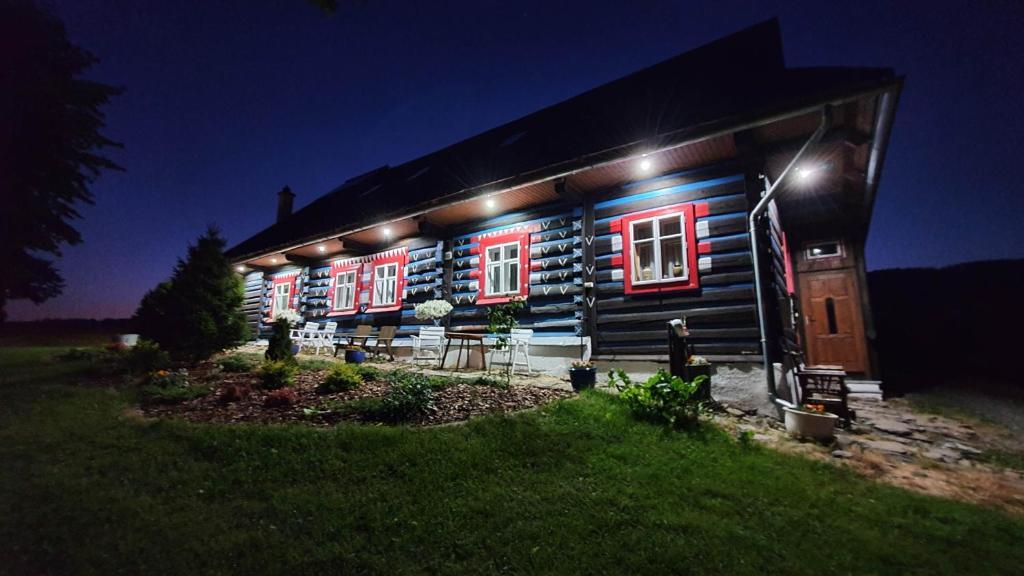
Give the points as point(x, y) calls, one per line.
point(732, 78)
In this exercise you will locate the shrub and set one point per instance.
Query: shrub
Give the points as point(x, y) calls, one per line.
point(409, 397)
point(489, 381)
point(276, 374)
point(168, 379)
point(155, 394)
point(198, 312)
point(235, 393)
point(237, 363)
point(662, 397)
point(281, 398)
point(146, 356)
point(280, 345)
point(369, 373)
point(310, 364)
point(342, 377)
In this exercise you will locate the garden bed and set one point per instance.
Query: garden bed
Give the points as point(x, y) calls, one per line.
point(452, 399)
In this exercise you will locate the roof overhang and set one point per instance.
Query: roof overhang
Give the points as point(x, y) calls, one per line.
point(888, 91)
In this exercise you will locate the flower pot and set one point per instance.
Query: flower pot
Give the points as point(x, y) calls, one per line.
point(691, 371)
point(295, 349)
point(819, 426)
point(582, 378)
point(355, 356)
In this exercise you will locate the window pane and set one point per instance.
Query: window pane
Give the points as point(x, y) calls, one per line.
point(643, 261)
point(643, 230)
point(513, 277)
point(512, 251)
point(672, 258)
point(669, 226)
point(494, 254)
point(493, 279)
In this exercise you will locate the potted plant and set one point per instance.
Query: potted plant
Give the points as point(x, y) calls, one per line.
point(699, 366)
point(433, 310)
point(354, 354)
point(582, 374)
point(292, 319)
point(811, 421)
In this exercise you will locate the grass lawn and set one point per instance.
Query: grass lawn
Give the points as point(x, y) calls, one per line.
point(576, 488)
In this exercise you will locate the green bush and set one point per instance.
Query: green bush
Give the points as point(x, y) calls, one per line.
point(156, 394)
point(662, 398)
point(144, 357)
point(411, 395)
point(82, 354)
point(370, 373)
point(276, 374)
point(237, 363)
point(342, 377)
point(280, 345)
point(311, 364)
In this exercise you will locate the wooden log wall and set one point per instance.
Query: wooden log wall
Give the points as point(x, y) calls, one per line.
point(252, 301)
point(721, 313)
point(555, 300)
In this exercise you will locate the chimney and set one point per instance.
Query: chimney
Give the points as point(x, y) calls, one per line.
point(285, 198)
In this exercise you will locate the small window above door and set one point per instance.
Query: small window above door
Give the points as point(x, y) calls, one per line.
point(819, 250)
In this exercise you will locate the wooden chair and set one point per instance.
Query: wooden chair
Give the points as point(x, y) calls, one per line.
point(823, 384)
point(518, 347)
point(429, 345)
point(357, 338)
point(383, 341)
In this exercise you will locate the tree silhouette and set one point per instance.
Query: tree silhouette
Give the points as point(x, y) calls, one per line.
point(50, 122)
point(198, 312)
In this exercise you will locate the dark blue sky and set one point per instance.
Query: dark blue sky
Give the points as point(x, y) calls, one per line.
point(226, 102)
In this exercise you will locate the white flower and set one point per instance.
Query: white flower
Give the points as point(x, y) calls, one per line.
point(293, 317)
point(432, 309)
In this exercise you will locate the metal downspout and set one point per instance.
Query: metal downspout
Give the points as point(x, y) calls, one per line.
point(762, 205)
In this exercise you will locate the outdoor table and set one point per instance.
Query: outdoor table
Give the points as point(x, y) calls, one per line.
point(466, 341)
point(352, 337)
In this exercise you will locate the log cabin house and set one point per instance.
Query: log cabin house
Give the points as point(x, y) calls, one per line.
point(719, 186)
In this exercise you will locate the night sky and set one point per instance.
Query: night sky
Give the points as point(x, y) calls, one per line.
point(226, 102)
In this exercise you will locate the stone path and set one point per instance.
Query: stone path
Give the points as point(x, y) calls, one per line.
point(890, 442)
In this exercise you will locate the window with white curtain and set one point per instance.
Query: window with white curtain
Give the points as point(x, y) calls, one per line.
point(502, 266)
point(282, 296)
point(385, 284)
point(658, 249)
point(345, 290)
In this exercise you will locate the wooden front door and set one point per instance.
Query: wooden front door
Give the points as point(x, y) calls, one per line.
point(833, 323)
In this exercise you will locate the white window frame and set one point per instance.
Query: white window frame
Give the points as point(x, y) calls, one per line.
point(380, 282)
point(810, 255)
point(655, 240)
point(502, 264)
point(339, 285)
point(287, 293)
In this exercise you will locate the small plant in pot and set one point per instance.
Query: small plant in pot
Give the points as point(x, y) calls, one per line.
point(811, 421)
point(582, 375)
point(355, 354)
point(699, 366)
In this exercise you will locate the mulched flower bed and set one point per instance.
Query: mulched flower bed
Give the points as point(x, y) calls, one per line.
point(456, 402)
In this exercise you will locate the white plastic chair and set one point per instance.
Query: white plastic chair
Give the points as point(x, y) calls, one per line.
point(516, 351)
point(429, 345)
point(325, 337)
point(305, 335)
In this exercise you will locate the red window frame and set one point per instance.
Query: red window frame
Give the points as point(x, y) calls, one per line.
point(787, 263)
point(291, 279)
point(523, 238)
point(340, 268)
point(689, 234)
point(399, 259)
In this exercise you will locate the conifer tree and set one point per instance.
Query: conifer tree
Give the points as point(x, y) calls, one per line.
point(198, 312)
